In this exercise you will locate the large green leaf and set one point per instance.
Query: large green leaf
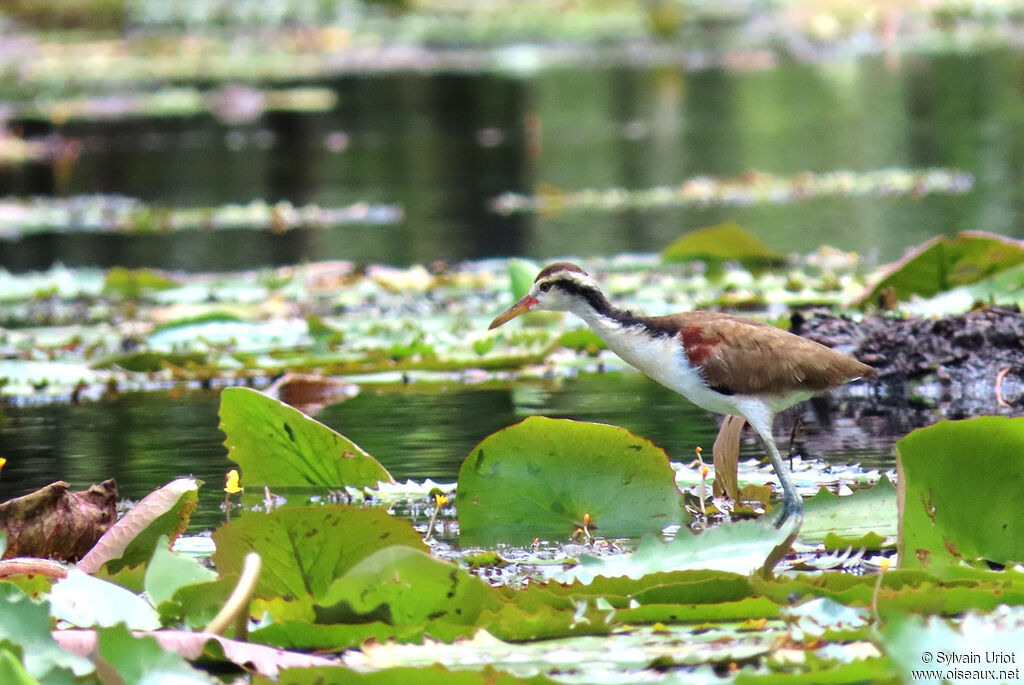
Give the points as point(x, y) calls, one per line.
point(741, 547)
point(275, 444)
point(541, 477)
point(945, 263)
point(521, 274)
point(902, 590)
point(865, 511)
point(960, 488)
point(405, 586)
point(26, 623)
point(87, 602)
point(12, 672)
point(724, 242)
point(169, 571)
point(143, 661)
point(304, 549)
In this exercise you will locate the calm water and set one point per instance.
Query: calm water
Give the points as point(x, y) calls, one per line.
point(443, 145)
point(145, 440)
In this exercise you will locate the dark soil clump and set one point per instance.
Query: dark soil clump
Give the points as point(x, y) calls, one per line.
point(974, 360)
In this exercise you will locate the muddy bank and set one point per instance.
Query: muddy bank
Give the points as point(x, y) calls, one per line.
point(961, 365)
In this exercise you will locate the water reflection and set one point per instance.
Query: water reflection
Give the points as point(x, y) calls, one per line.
point(443, 145)
point(146, 440)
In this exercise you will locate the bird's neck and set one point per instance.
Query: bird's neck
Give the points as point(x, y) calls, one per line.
point(604, 319)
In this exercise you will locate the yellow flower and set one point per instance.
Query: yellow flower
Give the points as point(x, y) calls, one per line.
point(3, 462)
point(232, 487)
point(440, 499)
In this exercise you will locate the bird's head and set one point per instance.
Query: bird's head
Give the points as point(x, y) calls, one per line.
point(560, 287)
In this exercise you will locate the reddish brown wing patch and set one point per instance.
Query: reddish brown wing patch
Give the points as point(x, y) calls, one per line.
point(698, 345)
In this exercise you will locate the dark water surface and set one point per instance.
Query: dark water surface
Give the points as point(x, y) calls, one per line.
point(144, 440)
point(441, 146)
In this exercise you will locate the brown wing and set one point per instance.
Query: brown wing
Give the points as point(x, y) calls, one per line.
point(740, 356)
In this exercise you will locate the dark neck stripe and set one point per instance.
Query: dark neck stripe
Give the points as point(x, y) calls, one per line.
point(594, 297)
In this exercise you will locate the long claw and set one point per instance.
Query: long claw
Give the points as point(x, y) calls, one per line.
point(792, 509)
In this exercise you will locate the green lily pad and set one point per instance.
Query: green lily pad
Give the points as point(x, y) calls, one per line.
point(26, 623)
point(13, 673)
point(901, 591)
point(542, 477)
point(142, 660)
point(169, 571)
point(304, 549)
point(870, 541)
point(960, 488)
point(943, 263)
point(87, 602)
point(879, 671)
point(724, 242)
point(143, 362)
point(277, 445)
point(865, 511)
point(405, 586)
point(521, 274)
point(741, 547)
point(132, 283)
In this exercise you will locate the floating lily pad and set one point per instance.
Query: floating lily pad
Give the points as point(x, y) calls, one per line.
point(741, 547)
point(870, 541)
point(404, 586)
point(960, 491)
point(26, 623)
point(866, 511)
point(88, 602)
point(547, 477)
point(142, 660)
point(724, 242)
point(304, 549)
point(169, 571)
point(277, 445)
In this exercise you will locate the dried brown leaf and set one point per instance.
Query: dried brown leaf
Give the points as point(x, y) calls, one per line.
point(54, 523)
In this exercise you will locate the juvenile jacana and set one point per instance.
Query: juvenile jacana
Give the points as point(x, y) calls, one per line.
point(723, 363)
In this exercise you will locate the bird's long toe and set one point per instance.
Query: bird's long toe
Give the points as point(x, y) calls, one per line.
point(792, 509)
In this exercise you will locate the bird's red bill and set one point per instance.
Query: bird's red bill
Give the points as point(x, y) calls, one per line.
point(520, 307)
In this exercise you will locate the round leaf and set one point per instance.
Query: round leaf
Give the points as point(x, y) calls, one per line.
point(541, 477)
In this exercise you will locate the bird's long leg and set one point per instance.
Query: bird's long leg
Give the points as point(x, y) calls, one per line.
point(792, 503)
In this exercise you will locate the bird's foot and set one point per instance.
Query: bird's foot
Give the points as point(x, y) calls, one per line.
point(792, 510)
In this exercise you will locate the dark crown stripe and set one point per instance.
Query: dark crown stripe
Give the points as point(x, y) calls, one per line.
point(559, 266)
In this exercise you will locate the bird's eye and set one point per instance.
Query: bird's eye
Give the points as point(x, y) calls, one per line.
point(544, 287)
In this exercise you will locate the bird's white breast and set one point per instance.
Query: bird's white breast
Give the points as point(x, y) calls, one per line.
point(664, 359)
